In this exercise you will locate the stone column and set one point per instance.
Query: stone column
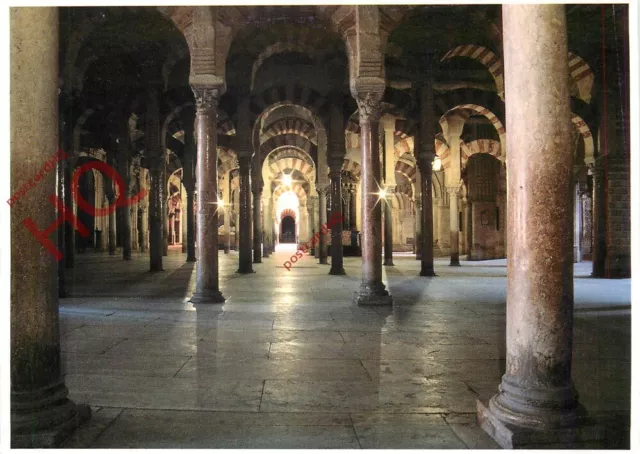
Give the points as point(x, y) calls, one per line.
point(353, 191)
point(124, 168)
point(157, 186)
point(188, 170)
point(267, 221)
point(587, 224)
point(389, 185)
point(257, 220)
point(599, 219)
point(388, 227)
point(322, 222)
point(537, 402)
point(144, 226)
point(245, 265)
point(165, 213)
point(454, 225)
point(337, 261)
point(426, 212)
point(577, 223)
point(426, 155)
point(417, 238)
point(371, 291)
point(41, 414)
point(112, 225)
point(207, 287)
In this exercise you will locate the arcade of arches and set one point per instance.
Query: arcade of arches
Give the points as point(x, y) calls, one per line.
point(478, 157)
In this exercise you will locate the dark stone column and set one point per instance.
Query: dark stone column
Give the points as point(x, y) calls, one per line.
point(112, 225)
point(418, 225)
point(425, 157)
point(337, 261)
point(156, 190)
point(388, 228)
point(599, 219)
point(537, 402)
point(244, 256)
point(165, 211)
point(454, 225)
point(207, 287)
point(124, 168)
point(257, 221)
point(69, 232)
point(371, 291)
point(189, 183)
point(346, 213)
point(41, 414)
point(322, 225)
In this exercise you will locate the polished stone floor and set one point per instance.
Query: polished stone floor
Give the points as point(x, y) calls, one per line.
point(289, 362)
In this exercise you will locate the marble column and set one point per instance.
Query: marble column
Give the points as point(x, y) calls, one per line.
point(346, 210)
point(322, 225)
point(587, 224)
point(42, 416)
point(577, 223)
point(165, 214)
point(337, 260)
point(257, 220)
point(454, 225)
point(266, 229)
point(245, 265)
point(388, 227)
point(371, 291)
point(144, 226)
point(537, 402)
point(157, 187)
point(353, 192)
point(207, 286)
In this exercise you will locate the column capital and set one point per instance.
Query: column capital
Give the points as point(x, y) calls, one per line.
point(206, 97)
point(454, 190)
point(369, 105)
point(323, 190)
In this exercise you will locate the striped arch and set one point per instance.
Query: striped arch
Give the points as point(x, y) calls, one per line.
point(585, 132)
point(353, 167)
point(297, 190)
point(582, 77)
point(289, 141)
point(444, 153)
point(288, 212)
point(291, 125)
point(281, 165)
point(402, 201)
point(406, 169)
point(487, 146)
point(486, 57)
point(290, 94)
point(478, 101)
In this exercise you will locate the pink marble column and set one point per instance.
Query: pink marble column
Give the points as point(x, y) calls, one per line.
point(537, 402)
point(207, 286)
point(371, 291)
point(42, 415)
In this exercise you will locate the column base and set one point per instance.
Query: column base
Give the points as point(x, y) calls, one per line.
point(372, 295)
point(583, 433)
point(337, 272)
point(323, 262)
point(155, 269)
point(388, 263)
point(207, 297)
point(455, 260)
point(245, 271)
point(45, 418)
point(429, 272)
point(191, 260)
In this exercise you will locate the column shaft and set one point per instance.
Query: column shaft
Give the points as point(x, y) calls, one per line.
point(244, 239)
point(426, 189)
point(337, 260)
point(322, 225)
point(371, 291)
point(454, 225)
point(388, 229)
point(207, 287)
point(41, 414)
point(257, 223)
point(536, 393)
point(156, 190)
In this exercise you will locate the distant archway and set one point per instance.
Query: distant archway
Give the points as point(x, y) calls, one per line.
point(288, 230)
